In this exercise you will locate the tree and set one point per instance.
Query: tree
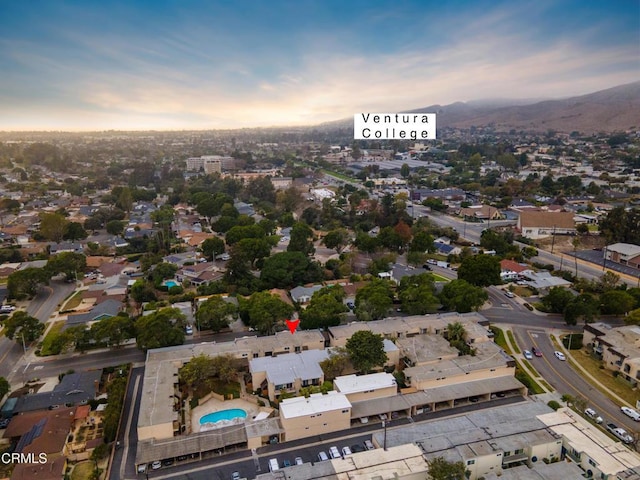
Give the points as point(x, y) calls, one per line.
point(115, 227)
point(417, 294)
point(608, 281)
point(25, 283)
point(326, 309)
point(113, 330)
point(422, 242)
point(263, 311)
point(125, 200)
point(557, 299)
point(196, 371)
point(164, 328)
point(441, 469)
point(336, 239)
point(142, 292)
point(405, 170)
point(366, 350)
point(336, 364)
point(253, 249)
point(480, 270)
point(288, 269)
point(457, 335)
point(22, 326)
point(212, 246)
point(4, 387)
point(461, 296)
point(633, 318)
point(239, 232)
point(75, 231)
point(584, 306)
point(373, 301)
point(53, 226)
point(301, 239)
point(69, 263)
point(617, 302)
point(215, 314)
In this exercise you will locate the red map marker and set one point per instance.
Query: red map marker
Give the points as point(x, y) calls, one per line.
point(292, 324)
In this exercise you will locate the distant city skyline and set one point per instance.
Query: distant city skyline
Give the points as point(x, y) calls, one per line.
point(182, 65)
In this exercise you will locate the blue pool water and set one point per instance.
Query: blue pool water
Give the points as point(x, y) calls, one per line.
point(223, 415)
point(171, 283)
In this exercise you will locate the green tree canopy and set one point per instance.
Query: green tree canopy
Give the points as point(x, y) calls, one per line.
point(53, 226)
point(336, 239)
point(326, 309)
point(557, 299)
point(22, 325)
point(164, 328)
point(301, 239)
point(289, 269)
point(215, 314)
point(461, 296)
point(337, 363)
point(583, 307)
point(69, 263)
point(374, 300)
point(263, 311)
point(617, 302)
point(441, 469)
point(113, 331)
point(366, 350)
point(25, 283)
point(75, 231)
point(480, 270)
point(417, 294)
point(212, 246)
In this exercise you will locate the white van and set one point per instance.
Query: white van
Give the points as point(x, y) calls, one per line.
point(273, 465)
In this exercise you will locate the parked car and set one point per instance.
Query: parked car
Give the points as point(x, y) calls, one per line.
point(611, 427)
point(528, 355)
point(286, 463)
point(334, 452)
point(298, 461)
point(630, 412)
point(4, 423)
point(622, 434)
point(274, 466)
point(322, 457)
point(368, 444)
point(509, 294)
point(346, 451)
point(357, 448)
point(235, 476)
point(7, 308)
point(188, 330)
point(167, 462)
point(559, 355)
point(536, 352)
point(156, 465)
point(593, 415)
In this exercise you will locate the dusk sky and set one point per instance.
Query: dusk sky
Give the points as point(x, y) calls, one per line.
point(161, 64)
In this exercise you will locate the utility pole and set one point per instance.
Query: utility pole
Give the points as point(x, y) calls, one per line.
point(553, 238)
point(24, 347)
point(384, 424)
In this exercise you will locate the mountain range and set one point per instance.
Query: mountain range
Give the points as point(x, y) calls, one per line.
point(613, 109)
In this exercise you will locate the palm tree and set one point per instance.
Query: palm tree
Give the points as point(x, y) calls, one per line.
point(456, 332)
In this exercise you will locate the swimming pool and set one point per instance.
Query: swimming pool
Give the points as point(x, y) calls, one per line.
point(171, 283)
point(223, 415)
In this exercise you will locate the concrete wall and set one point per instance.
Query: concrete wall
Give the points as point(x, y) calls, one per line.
point(311, 425)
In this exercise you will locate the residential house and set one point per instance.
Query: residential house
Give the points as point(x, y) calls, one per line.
point(105, 309)
point(541, 224)
point(447, 249)
point(65, 247)
point(510, 270)
point(199, 273)
point(623, 253)
point(480, 212)
point(542, 280)
point(302, 295)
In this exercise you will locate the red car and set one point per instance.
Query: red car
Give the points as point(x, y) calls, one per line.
point(536, 352)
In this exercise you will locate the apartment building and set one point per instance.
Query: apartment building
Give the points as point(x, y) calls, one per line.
point(318, 414)
point(359, 388)
point(287, 373)
point(617, 347)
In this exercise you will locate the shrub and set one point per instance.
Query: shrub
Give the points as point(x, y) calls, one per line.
point(553, 404)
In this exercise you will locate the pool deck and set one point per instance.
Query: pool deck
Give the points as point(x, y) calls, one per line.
point(213, 405)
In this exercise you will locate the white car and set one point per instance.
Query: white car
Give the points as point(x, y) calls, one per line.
point(298, 461)
point(528, 355)
point(346, 451)
point(334, 452)
point(559, 355)
point(593, 415)
point(156, 465)
point(630, 412)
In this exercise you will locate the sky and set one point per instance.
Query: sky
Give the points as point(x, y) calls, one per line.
point(211, 64)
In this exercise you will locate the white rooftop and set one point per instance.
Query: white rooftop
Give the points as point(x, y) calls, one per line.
point(360, 383)
point(316, 403)
point(624, 248)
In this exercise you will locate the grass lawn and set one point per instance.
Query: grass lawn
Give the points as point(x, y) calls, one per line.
point(439, 278)
point(53, 332)
point(82, 471)
point(605, 376)
point(522, 291)
point(530, 367)
point(73, 302)
point(498, 338)
point(513, 341)
point(527, 380)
